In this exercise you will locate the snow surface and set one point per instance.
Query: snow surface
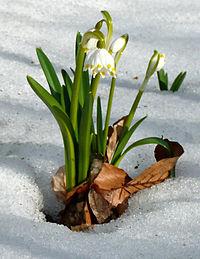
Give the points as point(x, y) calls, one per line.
point(161, 222)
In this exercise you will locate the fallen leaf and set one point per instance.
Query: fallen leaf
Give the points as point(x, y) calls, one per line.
point(155, 174)
point(99, 206)
point(88, 218)
point(59, 184)
point(104, 196)
point(161, 152)
point(59, 187)
point(110, 177)
point(111, 183)
point(114, 135)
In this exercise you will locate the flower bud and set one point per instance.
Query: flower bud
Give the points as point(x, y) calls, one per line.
point(117, 44)
point(156, 63)
point(91, 44)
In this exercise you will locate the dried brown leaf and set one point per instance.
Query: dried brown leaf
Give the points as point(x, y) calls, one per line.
point(88, 218)
point(110, 177)
point(155, 174)
point(112, 183)
point(59, 187)
point(59, 184)
point(113, 136)
point(161, 152)
point(99, 206)
point(104, 196)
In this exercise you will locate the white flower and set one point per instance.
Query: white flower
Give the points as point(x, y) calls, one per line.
point(117, 44)
point(156, 63)
point(99, 60)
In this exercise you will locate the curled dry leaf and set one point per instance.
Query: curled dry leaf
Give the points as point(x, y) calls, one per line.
point(101, 209)
point(114, 135)
point(59, 184)
point(59, 187)
point(161, 152)
point(115, 186)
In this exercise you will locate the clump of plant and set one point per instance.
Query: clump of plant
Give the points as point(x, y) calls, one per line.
point(163, 81)
point(95, 149)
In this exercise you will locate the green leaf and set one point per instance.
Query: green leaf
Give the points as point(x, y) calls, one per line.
point(65, 126)
point(68, 82)
point(145, 141)
point(178, 81)
point(50, 74)
point(99, 126)
point(84, 139)
point(78, 42)
point(65, 100)
point(47, 98)
point(125, 139)
point(81, 93)
point(50, 101)
point(162, 80)
point(85, 84)
point(69, 146)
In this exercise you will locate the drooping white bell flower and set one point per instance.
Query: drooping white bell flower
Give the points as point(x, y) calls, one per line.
point(117, 44)
point(99, 60)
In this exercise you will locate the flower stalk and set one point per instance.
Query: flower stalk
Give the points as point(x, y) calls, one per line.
point(107, 120)
point(76, 87)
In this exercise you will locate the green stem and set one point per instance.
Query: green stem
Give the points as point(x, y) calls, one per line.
point(94, 86)
point(134, 107)
point(108, 114)
point(76, 87)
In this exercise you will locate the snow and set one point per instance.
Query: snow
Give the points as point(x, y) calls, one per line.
point(161, 222)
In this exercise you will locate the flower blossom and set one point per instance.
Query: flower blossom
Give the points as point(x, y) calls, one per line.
point(100, 60)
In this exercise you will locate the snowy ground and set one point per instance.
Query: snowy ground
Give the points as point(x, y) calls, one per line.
point(161, 222)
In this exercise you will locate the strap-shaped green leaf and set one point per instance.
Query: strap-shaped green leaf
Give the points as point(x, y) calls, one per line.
point(145, 141)
point(50, 73)
point(85, 140)
point(68, 140)
point(43, 94)
point(78, 42)
point(65, 100)
point(99, 126)
point(86, 83)
point(125, 140)
point(177, 82)
point(162, 80)
point(68, 82)
point(50, 101)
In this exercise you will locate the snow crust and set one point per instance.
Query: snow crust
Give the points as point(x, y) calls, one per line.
point(161, 222)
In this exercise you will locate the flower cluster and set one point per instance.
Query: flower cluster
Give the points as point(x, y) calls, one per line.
point(99, 51)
